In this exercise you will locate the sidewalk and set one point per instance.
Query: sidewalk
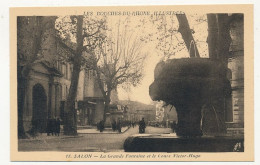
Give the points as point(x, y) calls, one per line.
point(44, 136)
point(81, 131)
point(106, 131)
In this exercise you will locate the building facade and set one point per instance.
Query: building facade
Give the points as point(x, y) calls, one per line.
point(91, 104)
point(49, 82)
point(235, 118)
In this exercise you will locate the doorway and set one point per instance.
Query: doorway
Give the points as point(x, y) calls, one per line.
point(39, 118)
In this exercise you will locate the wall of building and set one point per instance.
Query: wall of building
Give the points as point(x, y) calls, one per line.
point(237, 84)
point(148, 115)
point(236, 65)
point(34, 78)
point(99, 111)
point(89, 84)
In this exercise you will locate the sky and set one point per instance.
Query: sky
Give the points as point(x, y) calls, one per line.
point(141, 92)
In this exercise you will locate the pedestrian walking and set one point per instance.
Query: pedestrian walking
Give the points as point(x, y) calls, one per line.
point(114, 125)
point(142, 126)
point(101, 126)
point(48, 129)
point(129, 124)
point(53, 126)
point(174, 126)
point(119, 126)
point(33, 131)
point(98, 126)
point(57, 132)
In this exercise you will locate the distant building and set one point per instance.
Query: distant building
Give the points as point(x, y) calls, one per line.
point(170, 115)
point(135, 111)
point(91, 107)
point(159, 111)
point(148, 115)
point(91, 104)
point(165, 114)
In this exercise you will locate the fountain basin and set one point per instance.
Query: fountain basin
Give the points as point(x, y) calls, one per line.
point(159, 143)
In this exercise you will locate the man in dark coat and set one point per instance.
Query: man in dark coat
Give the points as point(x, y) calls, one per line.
point(48, 127)
point(101, 126)
point(119, 126)
point(174, 127)
point(53, 126)
point(34, 130)
point(142, 126)
point(114, 125)
point(57, 127)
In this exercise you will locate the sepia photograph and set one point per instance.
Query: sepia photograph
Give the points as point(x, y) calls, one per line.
point(155, 83)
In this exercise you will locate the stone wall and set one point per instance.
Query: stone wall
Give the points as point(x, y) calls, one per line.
point(236, 65)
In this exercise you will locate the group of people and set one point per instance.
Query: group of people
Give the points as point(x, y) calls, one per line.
point(53, 127)
point(133, 124)
point(117, 126)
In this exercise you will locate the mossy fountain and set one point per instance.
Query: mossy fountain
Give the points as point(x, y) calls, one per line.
point(188, 84)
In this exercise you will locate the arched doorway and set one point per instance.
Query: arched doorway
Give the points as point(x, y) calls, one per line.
point(39, 118)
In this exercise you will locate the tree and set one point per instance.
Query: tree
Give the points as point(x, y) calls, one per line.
point(118, 61)
point(175, 36)
point(70, 124)
point(166, 34)
point(219, 43)
point(88, 34)
point(30, 34)
point(185, 31)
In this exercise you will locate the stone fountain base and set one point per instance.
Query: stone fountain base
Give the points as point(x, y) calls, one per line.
point(172, 143)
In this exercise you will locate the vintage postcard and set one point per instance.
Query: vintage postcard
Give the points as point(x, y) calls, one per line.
point(132, 83)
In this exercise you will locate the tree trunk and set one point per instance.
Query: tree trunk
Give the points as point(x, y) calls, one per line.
point(21, 89)
point(106, 106)
point(189, 119)
point(219, 37)
point(70, 125)
point(212, 36)
point(22, 81)
point(24, 70)
point(224, 38)
point(219, 42)
point(224, 41)
point(185, 31)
